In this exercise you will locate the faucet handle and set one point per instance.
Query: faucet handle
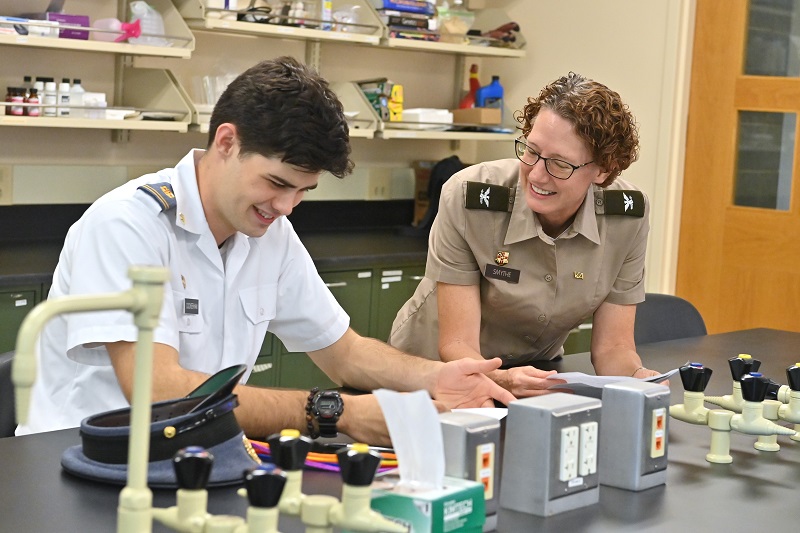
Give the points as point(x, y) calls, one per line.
point(289, 449)
point(743, 364)
point(264, 485)
point(695, 376)
point(793, 376)
point(359, 464)
point(193, 467)
point(754, 387)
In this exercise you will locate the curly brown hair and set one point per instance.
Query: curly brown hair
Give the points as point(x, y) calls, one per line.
point(600, 118)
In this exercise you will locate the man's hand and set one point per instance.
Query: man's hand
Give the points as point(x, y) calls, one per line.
point(526, 381)
point(464, 383)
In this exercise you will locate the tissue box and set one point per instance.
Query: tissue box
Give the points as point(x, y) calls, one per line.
point(458, 506)
point(478, 115)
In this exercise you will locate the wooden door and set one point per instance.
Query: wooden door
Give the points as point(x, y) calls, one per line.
point(739, 251)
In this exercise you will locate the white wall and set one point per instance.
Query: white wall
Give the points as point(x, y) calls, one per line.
point(637, 48)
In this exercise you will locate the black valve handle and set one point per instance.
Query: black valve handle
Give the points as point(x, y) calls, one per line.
point(192, 467)
point(359, 465)
point(740, 367)
point(264, 485)
point(793, 376)
point(289, 450)
point(754, 387)
point(695, 376)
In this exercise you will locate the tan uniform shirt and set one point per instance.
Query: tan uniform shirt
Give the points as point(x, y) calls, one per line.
point(599, 258)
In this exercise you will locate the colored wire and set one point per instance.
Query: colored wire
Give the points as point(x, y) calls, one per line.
point(323, 461)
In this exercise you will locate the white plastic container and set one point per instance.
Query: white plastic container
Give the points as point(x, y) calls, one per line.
point(76, 93)
point(50, 99)
point(63, 98)
point(152, 25)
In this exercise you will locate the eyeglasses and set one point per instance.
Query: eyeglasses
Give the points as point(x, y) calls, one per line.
point(557, 168)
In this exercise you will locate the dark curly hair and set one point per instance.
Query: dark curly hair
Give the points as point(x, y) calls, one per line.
point(599, 116)
point(281, 108)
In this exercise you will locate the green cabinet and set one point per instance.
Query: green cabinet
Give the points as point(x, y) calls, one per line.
point(15, 303)
point(371, 296)
point(352, 289)
point(391, 289)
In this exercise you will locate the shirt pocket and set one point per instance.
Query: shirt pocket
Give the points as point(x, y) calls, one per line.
point(187, 322)
point(259, 303)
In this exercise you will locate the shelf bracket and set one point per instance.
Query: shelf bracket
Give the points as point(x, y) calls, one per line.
point(313, 54)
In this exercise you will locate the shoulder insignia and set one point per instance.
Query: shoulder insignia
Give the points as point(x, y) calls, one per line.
point(630, 203)
point(161, 193)
point(487, 196)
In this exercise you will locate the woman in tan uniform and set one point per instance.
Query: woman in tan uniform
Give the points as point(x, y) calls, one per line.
point(525, 249)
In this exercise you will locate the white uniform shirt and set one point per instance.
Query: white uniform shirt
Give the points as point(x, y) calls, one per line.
point(267, 283)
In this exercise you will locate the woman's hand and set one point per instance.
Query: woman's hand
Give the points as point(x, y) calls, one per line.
point(526, 381)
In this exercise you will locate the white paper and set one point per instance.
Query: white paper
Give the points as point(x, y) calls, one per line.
point(416, 434)
point(588, 385)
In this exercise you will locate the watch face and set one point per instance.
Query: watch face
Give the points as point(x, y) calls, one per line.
point(328, 404)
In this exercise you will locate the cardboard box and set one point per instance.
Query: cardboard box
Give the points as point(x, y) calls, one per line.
point(458, 506)
point(478, 115)
point(422, 175)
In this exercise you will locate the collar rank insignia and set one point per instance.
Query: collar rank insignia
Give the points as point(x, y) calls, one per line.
point(488, 197)
point(162, 193)
point(620, 202)
point(501, 258)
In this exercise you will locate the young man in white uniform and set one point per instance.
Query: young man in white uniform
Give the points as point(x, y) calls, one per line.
point(237, 270)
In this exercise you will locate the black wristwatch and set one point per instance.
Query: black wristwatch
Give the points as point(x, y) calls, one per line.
point(327, 406)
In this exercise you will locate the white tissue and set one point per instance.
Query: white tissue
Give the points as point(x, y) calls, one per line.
point(416, 434)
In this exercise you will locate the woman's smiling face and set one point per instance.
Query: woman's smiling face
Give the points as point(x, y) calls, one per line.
point(556, 201)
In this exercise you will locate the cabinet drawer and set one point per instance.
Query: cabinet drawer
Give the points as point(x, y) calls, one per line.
point(15, 304)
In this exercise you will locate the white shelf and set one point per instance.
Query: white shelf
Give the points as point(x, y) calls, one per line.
point(198, 17)
point(394, 133)
point(86, 123)
point(182, 39)
point(450, 48)
point(144, 89)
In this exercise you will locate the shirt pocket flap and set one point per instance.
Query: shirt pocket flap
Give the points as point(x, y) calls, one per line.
point(259, 302)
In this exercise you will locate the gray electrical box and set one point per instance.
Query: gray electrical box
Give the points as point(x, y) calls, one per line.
point(471, 451)
point(633, 438)
point(550, 460)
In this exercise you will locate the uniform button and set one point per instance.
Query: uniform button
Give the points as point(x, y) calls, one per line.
point(598, 201)
point(548, 278)
point(542, 318)
point(260, 311)
point(188, 322)
point(510, 356)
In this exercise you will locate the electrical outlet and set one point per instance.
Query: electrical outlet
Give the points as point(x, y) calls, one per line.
point(6, 185)
point(485, 474)
point(548, 481)
point(379, 186)
point(633, 447)
point(587, 456)
point(657, 433)
point(568, 456)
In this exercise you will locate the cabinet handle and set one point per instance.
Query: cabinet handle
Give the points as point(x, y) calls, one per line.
point(336, 284)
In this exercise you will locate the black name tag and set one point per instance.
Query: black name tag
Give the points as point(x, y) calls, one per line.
point(497, 272)
point(191, 306)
